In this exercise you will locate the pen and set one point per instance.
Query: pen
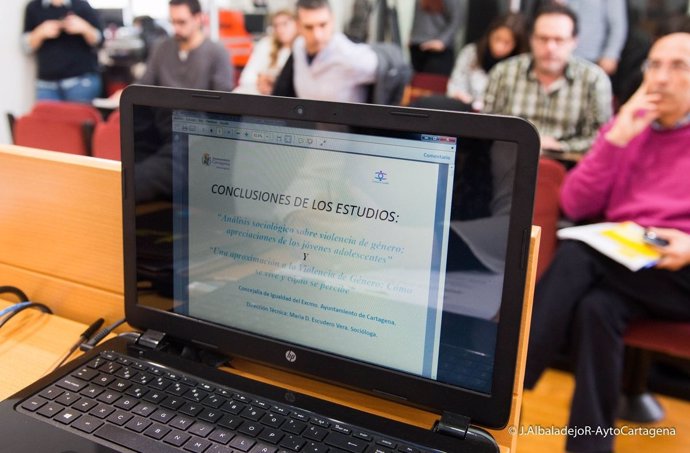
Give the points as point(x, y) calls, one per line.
point(88, 333)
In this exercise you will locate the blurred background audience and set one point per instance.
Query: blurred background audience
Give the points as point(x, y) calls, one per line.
point(603, 28)
point(505, 37)
point(325, 64)
point(269, 55)
point(432, 40)
point(566, 97)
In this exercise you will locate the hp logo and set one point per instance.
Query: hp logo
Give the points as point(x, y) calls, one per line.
point(291, 356)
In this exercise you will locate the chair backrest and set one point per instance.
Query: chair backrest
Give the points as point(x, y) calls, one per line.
point(547, 209)
point(51, 134)
point(73, 111)
point(57, 126)
point(667, 337)
point(425, 84)
point(106, 138)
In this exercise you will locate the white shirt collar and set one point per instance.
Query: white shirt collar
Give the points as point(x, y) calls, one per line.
point(682, 122)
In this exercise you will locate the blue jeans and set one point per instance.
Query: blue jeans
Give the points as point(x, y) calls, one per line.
point(82, 88)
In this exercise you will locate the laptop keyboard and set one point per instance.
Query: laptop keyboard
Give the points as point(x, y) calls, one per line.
point(148, 409)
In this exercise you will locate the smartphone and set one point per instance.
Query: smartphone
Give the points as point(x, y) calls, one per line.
point(652, 238)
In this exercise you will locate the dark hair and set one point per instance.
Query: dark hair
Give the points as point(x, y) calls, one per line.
point(516, 23)
point(312, 4)
point(678, 23)
point(194, 5)
point(556, 8)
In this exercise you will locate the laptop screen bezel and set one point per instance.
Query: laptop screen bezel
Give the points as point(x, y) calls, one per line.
point(490, 410)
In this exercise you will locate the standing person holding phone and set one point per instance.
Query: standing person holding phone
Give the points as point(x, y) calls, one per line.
point(64, 35)
point(636, 170)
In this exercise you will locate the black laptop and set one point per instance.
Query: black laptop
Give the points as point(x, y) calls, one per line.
point(377, 248)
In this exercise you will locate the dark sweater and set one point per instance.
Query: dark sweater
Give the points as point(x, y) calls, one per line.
point(646, 181)
point(67, 55)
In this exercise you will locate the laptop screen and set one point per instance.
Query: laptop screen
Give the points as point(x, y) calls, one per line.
point(369, 245)
point(320, 241)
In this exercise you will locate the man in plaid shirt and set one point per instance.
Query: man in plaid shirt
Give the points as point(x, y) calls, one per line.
point(565, 97)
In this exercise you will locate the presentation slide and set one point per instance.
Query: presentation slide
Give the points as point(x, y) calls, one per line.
point(329, 250)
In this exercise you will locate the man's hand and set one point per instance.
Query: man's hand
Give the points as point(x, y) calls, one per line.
point(609, 65)
point(634, 116)
point(550, 144)
point(462, 97)
point(75, 25)
point(49, 29)
point(676, 254)
point(264, 83)
point(433, 45)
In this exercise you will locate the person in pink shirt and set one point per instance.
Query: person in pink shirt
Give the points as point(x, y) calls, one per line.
point(638, 169)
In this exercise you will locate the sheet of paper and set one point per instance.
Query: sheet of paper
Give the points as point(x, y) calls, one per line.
point(621, 242)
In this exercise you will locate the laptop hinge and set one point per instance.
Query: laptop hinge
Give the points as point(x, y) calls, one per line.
point(151, 339)
point(154, 340)
point(451, 424)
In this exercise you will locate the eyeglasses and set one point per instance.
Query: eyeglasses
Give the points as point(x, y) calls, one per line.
point(181, 22)
point(558, 40)
point(674, 67)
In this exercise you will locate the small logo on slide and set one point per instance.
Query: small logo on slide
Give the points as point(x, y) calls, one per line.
point(218, 163)
point(291, 356)
point(380, 177)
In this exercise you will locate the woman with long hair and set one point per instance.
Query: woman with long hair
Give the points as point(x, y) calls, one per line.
point(505, 37)
point(269, 55)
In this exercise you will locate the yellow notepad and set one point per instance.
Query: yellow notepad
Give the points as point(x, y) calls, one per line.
point(621, 242)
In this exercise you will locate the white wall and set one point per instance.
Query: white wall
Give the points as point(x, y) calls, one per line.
point(18, 70)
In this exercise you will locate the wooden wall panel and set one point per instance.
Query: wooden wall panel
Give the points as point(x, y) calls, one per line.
point(61, 230)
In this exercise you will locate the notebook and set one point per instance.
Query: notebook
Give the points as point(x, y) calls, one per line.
point(380, 249)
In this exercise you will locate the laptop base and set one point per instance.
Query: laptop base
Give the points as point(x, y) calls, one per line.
point(32, 432)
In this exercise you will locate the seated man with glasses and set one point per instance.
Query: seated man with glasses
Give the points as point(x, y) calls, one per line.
point(637, 170)
point(188, 59)
point(567, 98)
